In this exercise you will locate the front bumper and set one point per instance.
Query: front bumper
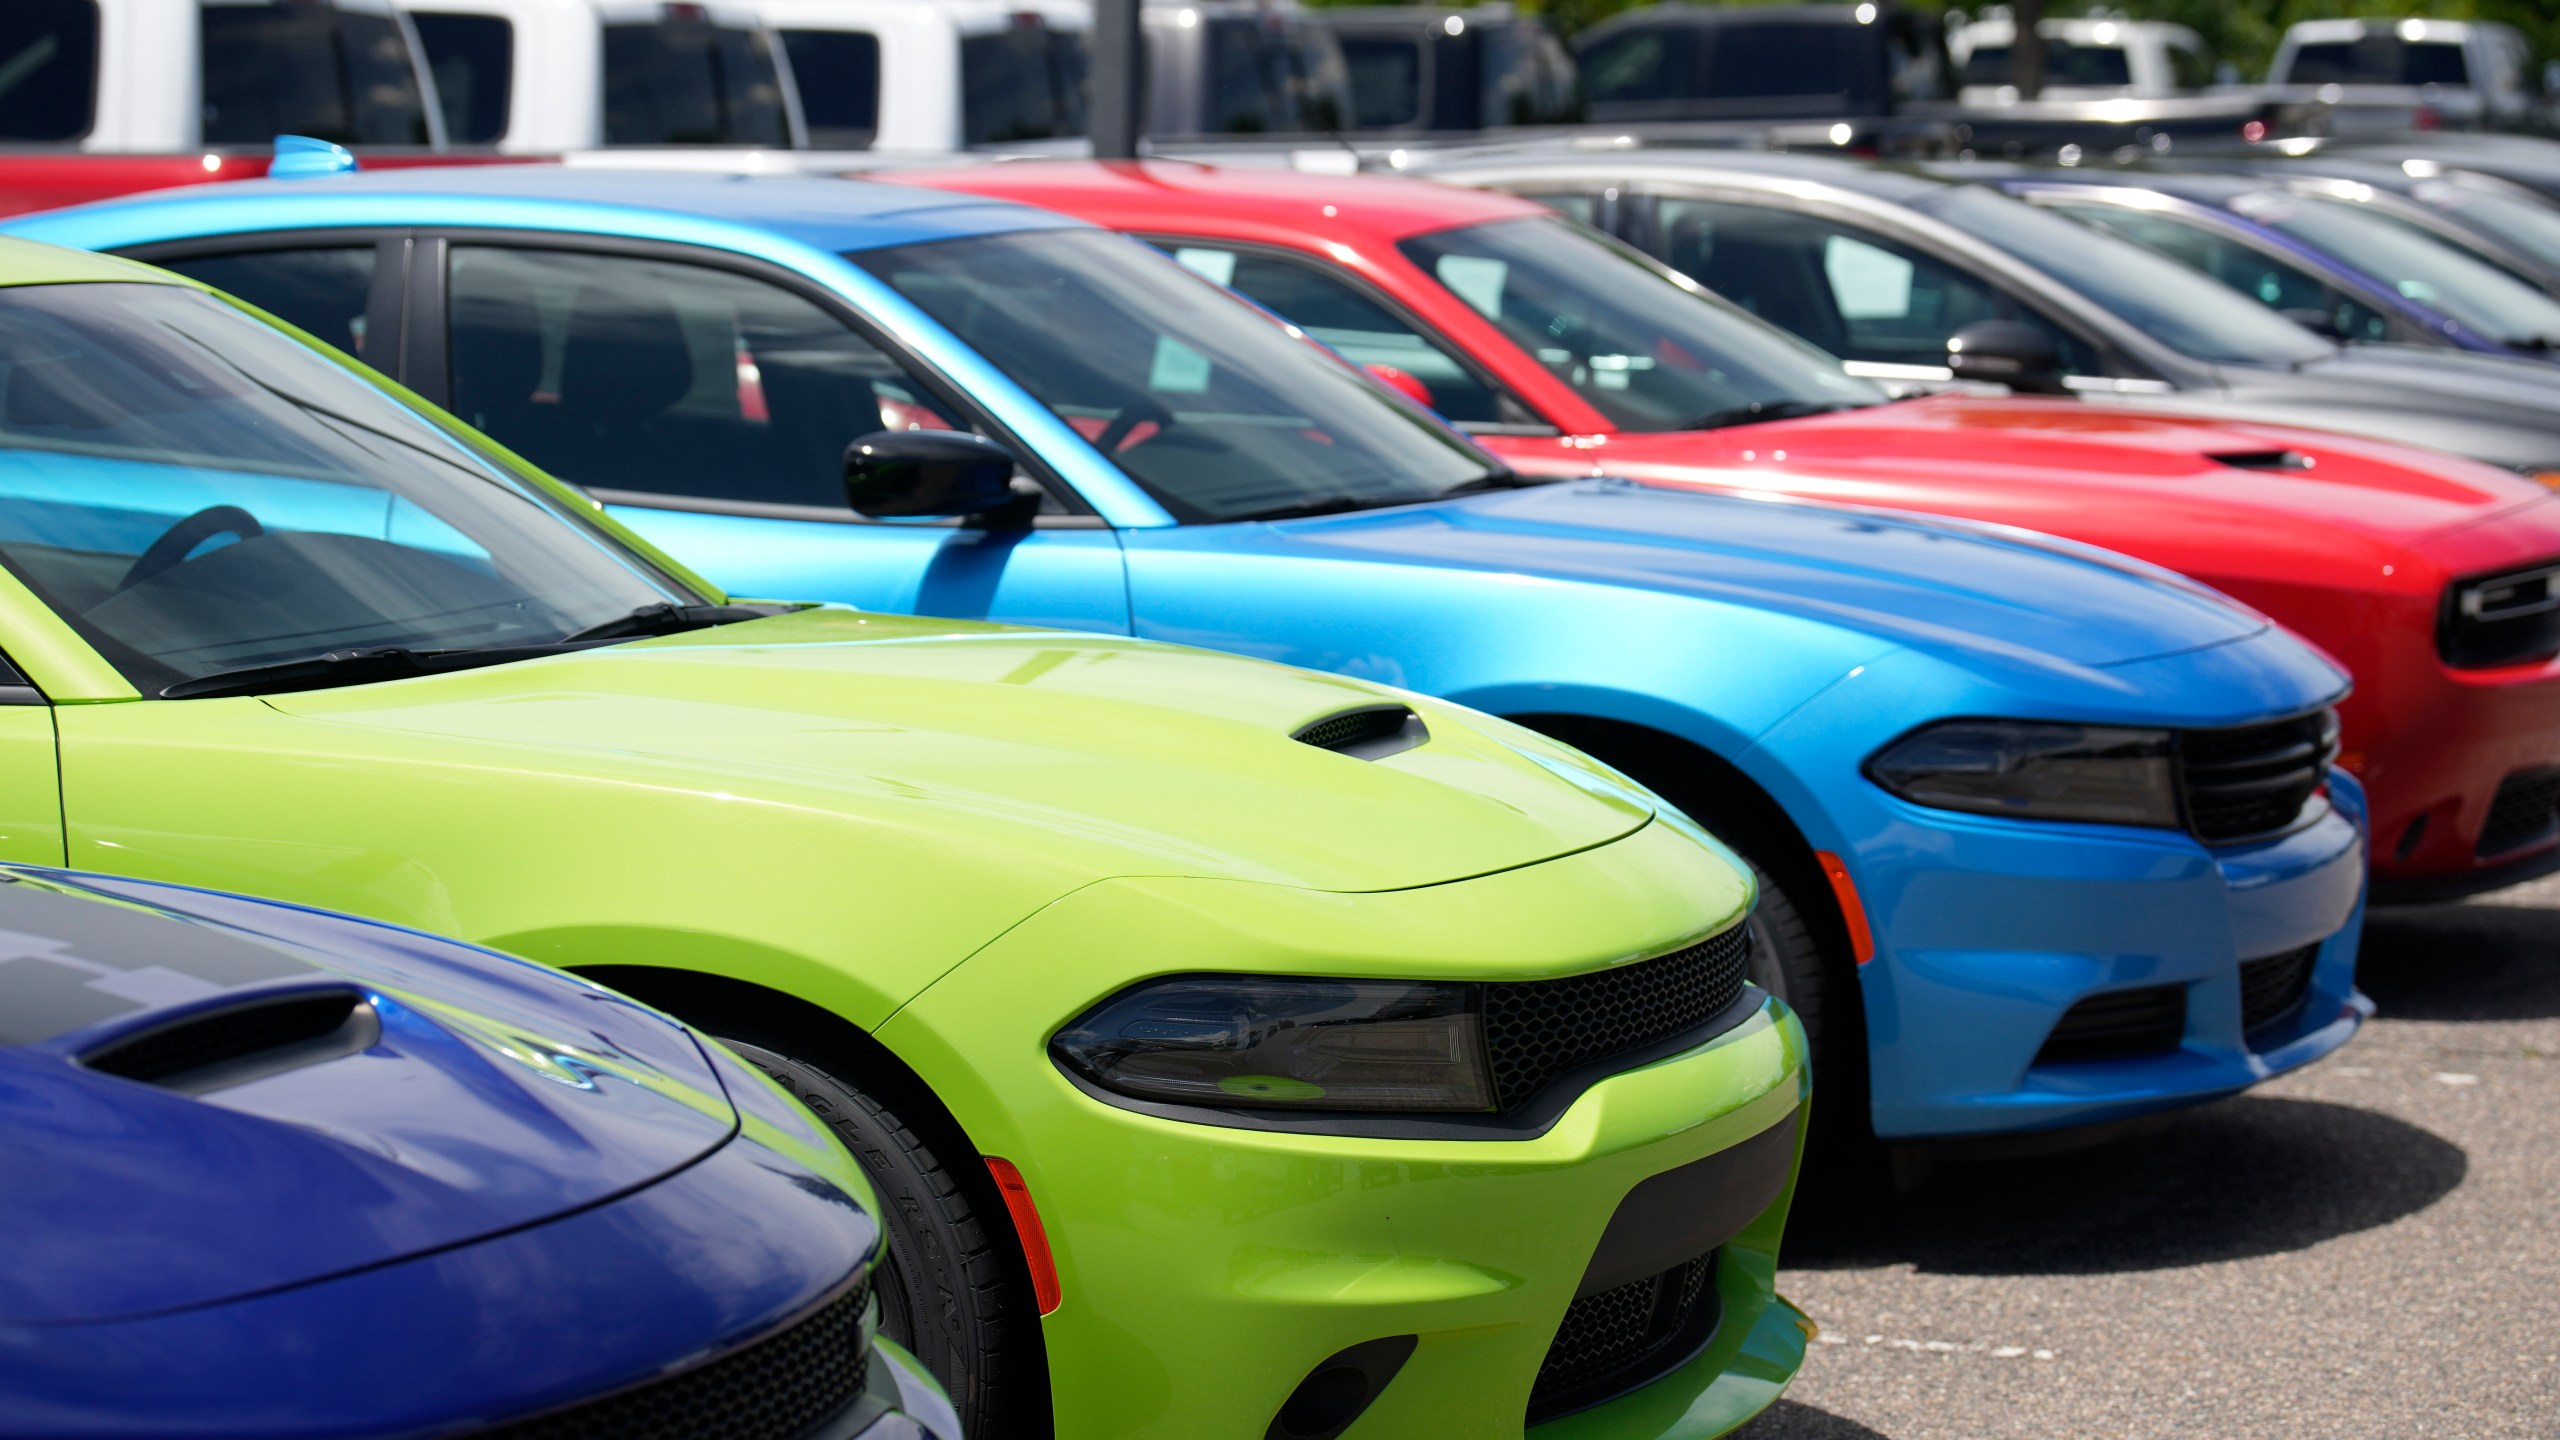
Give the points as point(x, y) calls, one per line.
point(1207, 1270)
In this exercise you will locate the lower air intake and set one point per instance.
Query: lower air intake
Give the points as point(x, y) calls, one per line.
point(1623, 1339)
point(2525, 811)
point(2118, 1025)
point(2273, 990)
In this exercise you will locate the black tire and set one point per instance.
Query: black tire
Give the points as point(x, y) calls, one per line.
point(950, 1289)
point(1786, 960)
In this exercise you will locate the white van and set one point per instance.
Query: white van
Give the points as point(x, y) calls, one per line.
point(936, 75)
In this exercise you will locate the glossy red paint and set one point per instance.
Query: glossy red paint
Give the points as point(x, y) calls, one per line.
point(2353, 551)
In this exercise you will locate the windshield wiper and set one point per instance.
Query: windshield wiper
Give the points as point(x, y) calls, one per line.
point(1759, 410)
point(1497, 480)
point(1330, 505)
point(344, 667)
point(668, 618)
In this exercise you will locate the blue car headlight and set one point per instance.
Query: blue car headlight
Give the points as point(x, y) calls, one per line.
point(2036, 770)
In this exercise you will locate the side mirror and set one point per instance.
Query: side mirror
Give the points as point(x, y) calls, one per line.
point(2006, 352)
point(928, 475)
point(2319, 322)
point(1404, 383)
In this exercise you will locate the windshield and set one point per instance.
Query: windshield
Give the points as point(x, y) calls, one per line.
point(195, 492)
point(2190, 313)
point(2379, 60)
point(2529, 225)
point(1215, 410)
point(2414, 264)
point(2064, 64)
point(338, 75)
point(685, 80)
point(1646, 348)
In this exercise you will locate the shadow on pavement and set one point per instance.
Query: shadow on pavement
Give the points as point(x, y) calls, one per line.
point(2250, 1176)
point(2462, 962)
point(1788, 1420)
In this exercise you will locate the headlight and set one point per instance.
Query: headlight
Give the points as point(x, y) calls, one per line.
point(2097, 773)
point(1283, 1043)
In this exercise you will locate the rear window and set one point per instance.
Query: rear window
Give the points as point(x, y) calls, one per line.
point(48, 68)
point(473, 58)
point(1024, 82)
point(1757, 61)
point(688, 81)
point(838, 75)
point(2064, 64)
point(1386, 80)
point(303, 69)
point(2380, 60)
point(1271, 75)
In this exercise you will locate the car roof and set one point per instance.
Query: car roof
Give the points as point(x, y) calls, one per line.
point(1139, 194)
point(829, 214)
point(1685, 14)
point(2201, 187)
point(1899, 184)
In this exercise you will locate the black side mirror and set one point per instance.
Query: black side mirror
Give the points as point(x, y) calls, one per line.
point(929, 475)
point(2007, 352)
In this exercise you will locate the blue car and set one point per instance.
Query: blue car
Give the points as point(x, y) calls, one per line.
point(275, 1173)
point(2046, 837)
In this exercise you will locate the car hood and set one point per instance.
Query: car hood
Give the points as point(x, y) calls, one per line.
point(488, 1095)
point(1103, 754)
point(1943, 585)
point(2501, 409)
point(2036, 462)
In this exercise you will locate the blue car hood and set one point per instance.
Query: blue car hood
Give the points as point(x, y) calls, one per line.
point(488, 1095)
point(1930, 583)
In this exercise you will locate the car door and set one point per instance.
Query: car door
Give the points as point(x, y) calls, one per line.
point(707, 402)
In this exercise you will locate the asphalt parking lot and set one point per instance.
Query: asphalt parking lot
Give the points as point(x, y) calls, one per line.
point(2367, 1248)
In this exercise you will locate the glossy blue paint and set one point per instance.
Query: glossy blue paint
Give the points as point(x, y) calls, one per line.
point(520, 1157)
point(1788, 640)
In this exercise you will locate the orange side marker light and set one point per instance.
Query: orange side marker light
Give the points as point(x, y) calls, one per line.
point(1027, 1229)
point(1853, 911)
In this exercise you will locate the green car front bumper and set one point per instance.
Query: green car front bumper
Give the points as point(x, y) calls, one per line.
point(1206, 1270)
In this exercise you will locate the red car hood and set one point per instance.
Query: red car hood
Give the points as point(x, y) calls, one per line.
point(2135, 480)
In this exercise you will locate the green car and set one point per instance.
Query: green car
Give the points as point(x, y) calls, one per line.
point(1237, 1051)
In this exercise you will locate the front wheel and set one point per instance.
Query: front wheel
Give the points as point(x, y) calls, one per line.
point(947, 1292)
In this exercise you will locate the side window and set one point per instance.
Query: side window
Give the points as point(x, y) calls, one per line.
point(473, 58)
point(322, 291)
point(1386, 80)
point(341, 75)
point(48, 69)
point(650, 375)
point(838, 73)
point(1852, 292)
point(2272, 282)
point(1366, 332)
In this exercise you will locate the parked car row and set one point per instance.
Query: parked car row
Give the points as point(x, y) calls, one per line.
point(1693, 622)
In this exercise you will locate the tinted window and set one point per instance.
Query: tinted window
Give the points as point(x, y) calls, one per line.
point(1638, 345)
point(321, 292)
point(473, 59)
point(683, 81)
point(195, 491)
point(1272, 75)
point(2163, 299)
point(2263, 278)
point(1527, 77)
point(1024, 82)
point(1851, 291)
point(2417, 265)
point(838, 75)
point(1658, 63)
point(2529, 225)
point(2064, 64)
point(1207, 404)
point(1751, 61)
point(648, 375)
point(48, 68)
point(1344, 317)
point(1386, 80)
point(2379, 60)
point(298, 69)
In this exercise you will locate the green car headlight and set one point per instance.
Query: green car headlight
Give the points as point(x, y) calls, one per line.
point(1286, 1044)
point(2101, 774)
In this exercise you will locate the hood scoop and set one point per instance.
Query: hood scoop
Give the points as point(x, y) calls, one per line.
point(2262, 459)
point(1371, 732)
point(233, 1044)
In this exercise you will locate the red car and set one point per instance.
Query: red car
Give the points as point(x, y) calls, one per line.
point(2435, 580)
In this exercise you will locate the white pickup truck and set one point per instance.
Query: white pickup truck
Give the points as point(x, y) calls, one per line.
point(2449, 74)
point(539, 77)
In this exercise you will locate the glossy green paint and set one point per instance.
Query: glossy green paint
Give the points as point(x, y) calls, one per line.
point(957, 837)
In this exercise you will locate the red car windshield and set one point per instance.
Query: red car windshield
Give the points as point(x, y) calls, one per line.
point(1645, 347)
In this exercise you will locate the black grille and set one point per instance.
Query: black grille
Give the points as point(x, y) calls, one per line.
point(2526, 809)
point(781, 1387)
point(2257, 778)
point(2119, 1024)
point(2506, 619)
point(1620, 1339)
point(226, 1035)
point(1536, 1030)
point(2272, 990)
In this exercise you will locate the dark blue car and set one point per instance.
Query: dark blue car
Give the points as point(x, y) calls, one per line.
point(276, 1173)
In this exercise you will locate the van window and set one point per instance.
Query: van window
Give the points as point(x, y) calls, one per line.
point(48, 69)
point(838, 75)
point(685, 80)
point(1024, 82)
point(1386, 79)
point(473, 58)
point(337, 75)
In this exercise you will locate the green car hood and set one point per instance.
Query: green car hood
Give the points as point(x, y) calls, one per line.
point(1106, 756)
